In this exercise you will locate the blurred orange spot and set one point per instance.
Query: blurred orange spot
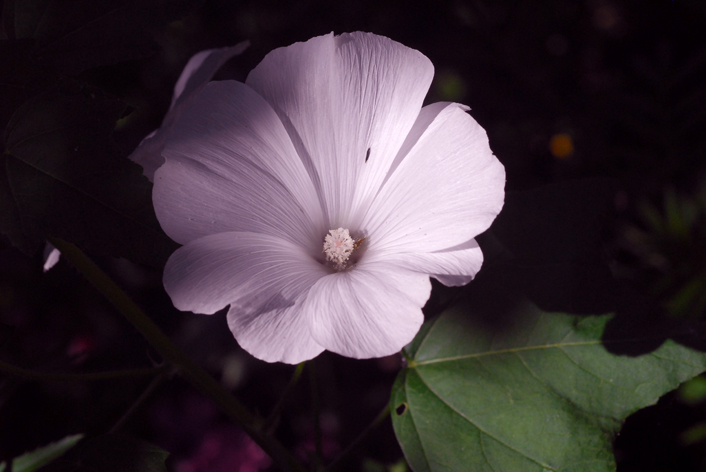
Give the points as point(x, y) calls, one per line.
point(561, 146)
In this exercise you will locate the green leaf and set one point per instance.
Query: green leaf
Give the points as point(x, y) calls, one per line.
point(112, 453)
point(542, 394)
point(67, 179)
point(40, 457)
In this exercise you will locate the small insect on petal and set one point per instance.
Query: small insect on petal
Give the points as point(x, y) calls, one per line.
point(367, 155)
point(358, 243)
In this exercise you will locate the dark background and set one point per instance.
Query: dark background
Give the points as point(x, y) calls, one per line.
point(597, 109)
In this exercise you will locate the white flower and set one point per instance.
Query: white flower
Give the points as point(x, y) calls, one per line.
point(317, 198)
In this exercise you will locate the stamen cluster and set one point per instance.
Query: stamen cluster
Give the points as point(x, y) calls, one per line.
point(338, 247)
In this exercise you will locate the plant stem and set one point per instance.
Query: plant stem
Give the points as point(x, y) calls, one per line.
point(318, 459)
point(368, 429)
point(154, 383)
point(274, 415)
point(60, 377)
point(174, 356)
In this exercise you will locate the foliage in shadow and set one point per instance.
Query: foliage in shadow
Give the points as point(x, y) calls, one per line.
point(548, 242)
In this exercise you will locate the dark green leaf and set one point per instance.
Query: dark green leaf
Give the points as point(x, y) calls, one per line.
point(10, 223)
point(21, 78)
point(112, 453)
point(543, 394)
point(68, 180)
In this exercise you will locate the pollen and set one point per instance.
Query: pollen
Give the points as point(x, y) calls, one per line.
point(338, 247)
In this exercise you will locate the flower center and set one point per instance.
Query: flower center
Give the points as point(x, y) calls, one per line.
point(338, 247)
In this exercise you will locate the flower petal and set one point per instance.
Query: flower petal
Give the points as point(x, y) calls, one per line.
point(280, 335)
point(196, 74)
point(452, 267)
point(348, 102)
point(232, 167)
point(446, 190)
point(371, 310)
point(200, 70)
point(254, 273)
point(51, 256)
point(149, 152)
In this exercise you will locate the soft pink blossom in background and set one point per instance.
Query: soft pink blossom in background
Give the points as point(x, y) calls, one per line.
point(189, 420)
point(226, 449)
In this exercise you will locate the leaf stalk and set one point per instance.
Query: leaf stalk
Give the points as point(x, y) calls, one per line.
point(190, 371)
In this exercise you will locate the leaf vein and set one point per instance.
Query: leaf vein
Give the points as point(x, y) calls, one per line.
point(678, 361)
point(485, 455)
point(416, 430)
point(481, 429)
point(592, 374)
point(30, 137)
point(100, 202)
point(506, 351)
point(426, 336)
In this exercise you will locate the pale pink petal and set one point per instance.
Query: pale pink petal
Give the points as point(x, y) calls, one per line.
point(191, 68)
point(452, 267)
point(280, 335)
point(232, 167)
point(453, 280)
point(371, 310)
point(348, 102)
point(254, 273)
point(201, 68)
point(196, 74)
point(51, 256)
point(445, 191)
point(192, 201)
point(149, 152)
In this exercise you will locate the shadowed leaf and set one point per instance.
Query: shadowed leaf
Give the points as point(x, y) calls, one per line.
point(90, 33)
point(541, 395)
point(112, 453)
point(42, 456)
point(68, 180)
